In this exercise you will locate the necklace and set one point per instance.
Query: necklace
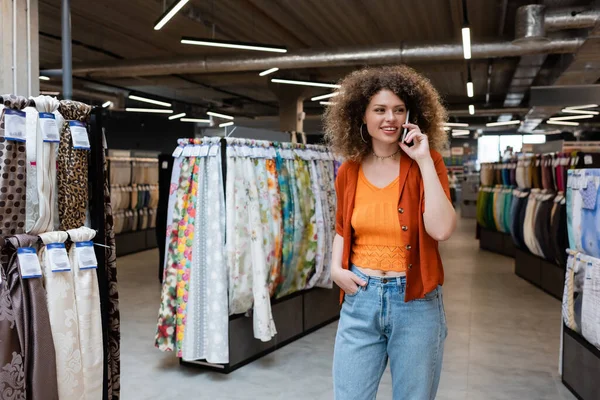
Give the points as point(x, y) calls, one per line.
point(383, 158)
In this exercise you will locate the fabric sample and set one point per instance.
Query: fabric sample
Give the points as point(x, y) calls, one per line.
point(72, 173)
point(31, 313)
point(12, 385)
point(87, 298)
point(62, 307)
point(46, 153)
point(13, 174)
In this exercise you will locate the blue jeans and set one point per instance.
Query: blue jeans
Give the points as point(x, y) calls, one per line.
point(376, 323)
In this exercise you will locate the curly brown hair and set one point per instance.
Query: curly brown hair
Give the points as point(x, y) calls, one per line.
point(343, 118)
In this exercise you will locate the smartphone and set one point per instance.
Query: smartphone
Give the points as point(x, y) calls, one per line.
point(406, 129)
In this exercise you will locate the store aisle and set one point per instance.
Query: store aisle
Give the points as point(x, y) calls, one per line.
point(503, 340)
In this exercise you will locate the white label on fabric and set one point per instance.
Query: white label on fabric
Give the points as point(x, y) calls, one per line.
point(79, 135)
point(537, 163)
point(15, 125)
point(165, 165)
point(588, 271)
point(187, 150)
point(196, 151)
point(588, 160)
point(178, 151)
point(214, 150)
point(59, 259)
point(49, 128)
point(29, 263)
point(204, 150)
point(86, 255)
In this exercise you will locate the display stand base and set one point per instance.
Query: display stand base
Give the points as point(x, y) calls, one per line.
point(133, 242)
point(545, 275)
point(295, 316)
point(580, 366)
point(496, 242)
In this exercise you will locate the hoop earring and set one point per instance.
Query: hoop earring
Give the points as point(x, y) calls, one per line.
point(361, 133)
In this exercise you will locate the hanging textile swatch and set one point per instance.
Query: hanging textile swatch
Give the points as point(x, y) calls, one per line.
point(12, 385)
point(28, 298)
point(62, 307)
point(13, 173)
point(87, 298)
point(45, 160)
point(114, 317)
point(167, 318)
point(72, 173)
point(207, 322)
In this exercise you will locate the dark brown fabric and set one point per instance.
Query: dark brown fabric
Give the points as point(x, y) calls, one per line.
point(33, 324)
point(114, 318)
point(13, 174)
point(12, 364)
point(72, 172)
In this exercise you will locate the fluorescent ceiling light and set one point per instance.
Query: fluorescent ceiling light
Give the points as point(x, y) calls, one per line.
point(177, 116)
point(470, 89)
point(570, 111)
point(49, 93)
point(149, 110)
point(455, 124)
point(223, 125)
point(447, 128)
point(269, 71)
point(324, 96)
point(107, 104)
point(204, 121)
point(44, 78)
point(466, 37)
point(151, 101)
point(233, 45)
point(169, 13)
point(472, 109)
point(562, 123)
point(583, 106)
point(214, 114)
point(513, 122)
point(326, 103)
point(532, 139)
point(305, 83)
point(572, 117)
point(460, 132)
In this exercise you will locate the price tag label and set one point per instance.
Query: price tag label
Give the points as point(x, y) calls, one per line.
point(86, 255)
point(196, 151)
point(204, 150)
point(165, 165)
point(29, 263)
point(187, 150)
point(214, 150)
point(178, 151)
point(59, 259)
point(588, 271)
point(49, 128)
point(15, 125)
point(588, 160)
point(79, 135)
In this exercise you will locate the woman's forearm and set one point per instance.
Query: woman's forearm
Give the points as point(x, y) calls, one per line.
point(439, 216)
point(337, 251)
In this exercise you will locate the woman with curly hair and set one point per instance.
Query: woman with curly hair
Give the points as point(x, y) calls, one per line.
point(393, 206)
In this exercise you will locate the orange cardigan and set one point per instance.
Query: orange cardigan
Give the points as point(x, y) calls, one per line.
point(424, 270)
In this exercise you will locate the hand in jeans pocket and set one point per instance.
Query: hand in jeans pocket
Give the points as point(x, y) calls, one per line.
point(347, 280)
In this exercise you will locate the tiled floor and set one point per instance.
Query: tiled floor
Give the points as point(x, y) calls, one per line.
point(503, 343)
